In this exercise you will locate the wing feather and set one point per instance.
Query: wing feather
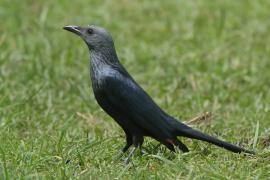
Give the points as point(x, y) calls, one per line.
point(127, 97)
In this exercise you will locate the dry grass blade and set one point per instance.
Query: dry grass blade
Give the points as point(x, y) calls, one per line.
point(205, 117)
point(91, 120)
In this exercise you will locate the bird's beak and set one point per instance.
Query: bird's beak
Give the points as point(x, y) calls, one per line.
point(74, 29)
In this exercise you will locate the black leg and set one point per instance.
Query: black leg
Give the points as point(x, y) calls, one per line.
point(137, 141)
point(181, 146)
point(170, 143)
point(128, 143)
point(169, 146)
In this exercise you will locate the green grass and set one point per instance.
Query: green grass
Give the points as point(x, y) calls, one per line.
point(190, 56)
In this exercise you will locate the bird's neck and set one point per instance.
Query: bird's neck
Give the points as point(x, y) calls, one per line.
point(102, 58)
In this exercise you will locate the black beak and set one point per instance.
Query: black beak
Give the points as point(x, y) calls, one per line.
point(74, 29)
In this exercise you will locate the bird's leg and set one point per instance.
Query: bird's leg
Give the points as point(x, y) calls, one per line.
point(171, 143)
point(181, 146)
point(137, 141)
point(169, 146)
point(127, 160)
point(128, 144)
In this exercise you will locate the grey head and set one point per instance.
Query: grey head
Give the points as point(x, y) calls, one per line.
point(96, 38)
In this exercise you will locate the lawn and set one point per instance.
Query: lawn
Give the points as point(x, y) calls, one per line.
point(190, 56)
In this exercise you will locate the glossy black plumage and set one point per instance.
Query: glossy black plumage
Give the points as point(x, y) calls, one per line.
point(127, 103)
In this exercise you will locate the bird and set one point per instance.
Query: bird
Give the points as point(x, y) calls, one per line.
point(122, 98)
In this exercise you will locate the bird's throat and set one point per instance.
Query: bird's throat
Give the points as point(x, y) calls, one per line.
point(103, 58)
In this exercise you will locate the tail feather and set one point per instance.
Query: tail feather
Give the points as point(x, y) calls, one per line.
point(194, 134)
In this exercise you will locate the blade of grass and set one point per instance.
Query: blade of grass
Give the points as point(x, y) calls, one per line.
point(4, 163)
point(256, 135)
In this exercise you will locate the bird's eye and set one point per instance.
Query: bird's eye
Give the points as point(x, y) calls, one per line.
point(90, 31)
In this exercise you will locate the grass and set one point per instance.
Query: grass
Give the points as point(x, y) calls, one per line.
point(190, 56)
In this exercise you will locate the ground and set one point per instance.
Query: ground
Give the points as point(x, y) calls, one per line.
point(190, 56)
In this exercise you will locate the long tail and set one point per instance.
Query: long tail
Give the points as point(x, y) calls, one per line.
point(188, 132)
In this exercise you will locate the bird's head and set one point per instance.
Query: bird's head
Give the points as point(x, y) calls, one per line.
point(96, 38)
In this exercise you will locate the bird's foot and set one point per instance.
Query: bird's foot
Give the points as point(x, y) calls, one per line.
point(130, 155)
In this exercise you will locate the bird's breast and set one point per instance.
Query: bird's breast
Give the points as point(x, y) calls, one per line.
point(98, 79)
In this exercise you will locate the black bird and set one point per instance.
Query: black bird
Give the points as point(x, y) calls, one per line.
point(128, 104)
